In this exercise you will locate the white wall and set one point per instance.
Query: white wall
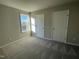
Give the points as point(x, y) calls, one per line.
point(73, 29)
point(10, 25)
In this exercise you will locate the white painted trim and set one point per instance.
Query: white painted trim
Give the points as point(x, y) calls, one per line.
point(13, 42)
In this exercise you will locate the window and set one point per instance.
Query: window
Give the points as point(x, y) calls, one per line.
point(24, 23)
point(33, 24)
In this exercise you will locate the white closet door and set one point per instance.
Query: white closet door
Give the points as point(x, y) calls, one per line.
point(59, 25)
point(39, 25)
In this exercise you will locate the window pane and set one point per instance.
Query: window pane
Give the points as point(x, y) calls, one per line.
point(24, 23)
point(33, 28)
point(32, 21)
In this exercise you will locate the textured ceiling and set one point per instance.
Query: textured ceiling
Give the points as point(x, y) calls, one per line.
point(33, 5)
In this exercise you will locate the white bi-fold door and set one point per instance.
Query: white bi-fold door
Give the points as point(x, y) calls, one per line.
point(59, 25)
point(39, 25)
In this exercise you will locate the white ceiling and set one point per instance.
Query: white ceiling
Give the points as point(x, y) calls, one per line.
point(33, 5)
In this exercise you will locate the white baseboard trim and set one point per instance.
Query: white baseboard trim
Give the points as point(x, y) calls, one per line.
point(12, 42)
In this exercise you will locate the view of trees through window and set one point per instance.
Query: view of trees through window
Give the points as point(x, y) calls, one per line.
point(24, 22)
